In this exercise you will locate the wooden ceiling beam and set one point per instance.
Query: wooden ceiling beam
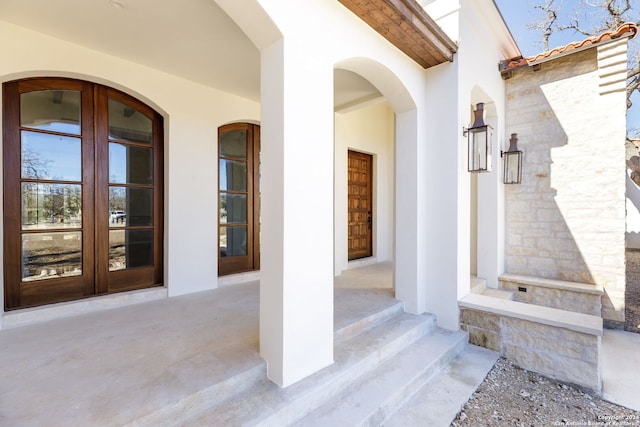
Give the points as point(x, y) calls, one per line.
point(407, 26)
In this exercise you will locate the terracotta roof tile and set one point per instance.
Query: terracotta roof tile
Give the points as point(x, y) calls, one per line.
point(628, 29)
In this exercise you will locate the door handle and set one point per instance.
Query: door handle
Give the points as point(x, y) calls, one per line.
point(369, 219)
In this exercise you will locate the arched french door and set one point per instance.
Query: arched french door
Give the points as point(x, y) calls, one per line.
point(82, 190)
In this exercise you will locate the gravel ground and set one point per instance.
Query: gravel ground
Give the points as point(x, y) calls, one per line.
point(632, 293)
point(511, 396)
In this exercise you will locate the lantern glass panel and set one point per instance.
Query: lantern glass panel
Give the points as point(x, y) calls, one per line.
point(512, 167)
point(480, 149)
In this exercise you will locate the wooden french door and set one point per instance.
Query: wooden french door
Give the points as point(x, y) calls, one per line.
point(82, 192)
point(238, 198)
point(360, 196)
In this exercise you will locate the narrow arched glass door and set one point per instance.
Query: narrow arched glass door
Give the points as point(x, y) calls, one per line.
point(238, 198)
point(62, 159)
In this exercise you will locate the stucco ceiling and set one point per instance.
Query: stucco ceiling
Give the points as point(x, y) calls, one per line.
point(193, 39)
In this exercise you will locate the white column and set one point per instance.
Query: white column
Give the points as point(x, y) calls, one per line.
point(446, 214)
point(296, 287)
point(409, 194)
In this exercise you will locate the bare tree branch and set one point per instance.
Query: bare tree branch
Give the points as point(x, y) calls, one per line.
point(547, 24)
point(593, 17)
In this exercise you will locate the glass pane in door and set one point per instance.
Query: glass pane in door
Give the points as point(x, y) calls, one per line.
point(51, 157)
point(234, 144)
point(128, 124)
point(130, 249)
point(51, 110)
point(233, 208)
point(51, 255)
point(130, 207)
point(233, 241)
point(129, 164)
point(48, 206)
point(233, 175)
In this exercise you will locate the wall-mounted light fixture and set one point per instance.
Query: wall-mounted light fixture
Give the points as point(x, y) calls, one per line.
point(512, 162)
point(479, 140)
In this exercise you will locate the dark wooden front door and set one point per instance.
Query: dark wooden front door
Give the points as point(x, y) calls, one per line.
point(360, 205)
point(238, 198)
point(82, 192)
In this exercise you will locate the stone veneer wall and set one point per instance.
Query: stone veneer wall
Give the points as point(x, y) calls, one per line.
point(566, 220)
point(569, 296)
point(561, 353)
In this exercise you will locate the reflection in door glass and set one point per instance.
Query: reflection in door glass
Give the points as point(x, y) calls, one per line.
point(233, 241)
point(234, 144)
point(129, 164)
point(233, 208)
point(130, 249)
point(51, 110)
point(51, 255)
point(51, 157)
point(128, 124)
point(130, 206)
point(47, 206)
point(233, 175)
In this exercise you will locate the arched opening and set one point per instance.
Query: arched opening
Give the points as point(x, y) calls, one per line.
point(484, 187)
point(373, 122)
point(364, 169)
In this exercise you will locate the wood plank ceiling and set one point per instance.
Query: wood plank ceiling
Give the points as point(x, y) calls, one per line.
point(408, 27)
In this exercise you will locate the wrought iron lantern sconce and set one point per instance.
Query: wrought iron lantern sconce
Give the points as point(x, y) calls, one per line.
point(512, 162)
point(479, 140)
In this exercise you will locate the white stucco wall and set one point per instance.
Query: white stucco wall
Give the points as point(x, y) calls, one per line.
point(192, 114)
point(368, 130)
point(454, 89)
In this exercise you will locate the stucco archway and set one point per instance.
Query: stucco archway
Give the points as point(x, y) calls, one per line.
point(486, 217)
point(403, 234)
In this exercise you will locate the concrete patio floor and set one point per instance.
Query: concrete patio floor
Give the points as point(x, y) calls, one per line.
point(621, 368)
point(113, 366)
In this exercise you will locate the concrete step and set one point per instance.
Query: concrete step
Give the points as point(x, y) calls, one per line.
point(440, 400)
point(477, 282)
point(368, 322)
point(374, 397)
point(266, 404)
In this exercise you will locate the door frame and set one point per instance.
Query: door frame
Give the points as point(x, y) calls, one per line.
point(250, 262)
point(95, 278)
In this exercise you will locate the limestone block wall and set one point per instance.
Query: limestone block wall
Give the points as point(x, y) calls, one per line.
point(564, 354)
point(566, 220)
point(576, 297)
point(556, 343)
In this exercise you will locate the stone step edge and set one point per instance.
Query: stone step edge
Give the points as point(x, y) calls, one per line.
point(392, 407)
point(353, 358)
point(437, 350)
point(541, 282)
point(174, 414)
point(446, 393)
point(578, 322)
point(217, 393)
point(301, 407)
point(367, 323)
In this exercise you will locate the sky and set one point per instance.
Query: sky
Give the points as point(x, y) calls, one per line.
point(520, 13)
